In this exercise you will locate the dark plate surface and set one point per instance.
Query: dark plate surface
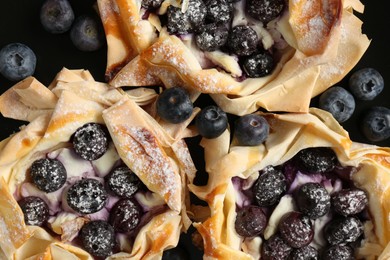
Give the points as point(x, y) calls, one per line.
point(19, 22)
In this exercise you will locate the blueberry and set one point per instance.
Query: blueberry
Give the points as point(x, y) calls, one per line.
point(343, 230)
point(176, 253)
point(313, 200)
point(98, 238)
point(56, 16)
point(305, 253)
point(87, 33)
point(125, 215)
point(251, 130)
point(211, 37)
point(17, 61)
point(339, 102)
point(275, 248)
point(211, 122)
point(316, 159)
point(219, 11)
point(151, 4)
point(265, 10)
point(250, 221)
point(349, 202)
point(243, 40)
point(35, 210)
point(90, 141)
point(296, 229)
point(258, 65)
point(187, 22)
point(366, 84)
point(123, 182)
point(376, 124)
point(269, 187)
point(48, 174)
point(174, 105)
point(338, 252)
point(86, 196)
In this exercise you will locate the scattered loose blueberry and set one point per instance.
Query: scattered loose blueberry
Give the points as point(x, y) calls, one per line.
point(339, 102)
point(269, 187)
point(56, 16)
point(151, 4)
point(258, 65)
point(305, 253)
point(275, 248)
point(376, 124)
point(243, 40)
point(17, 61)
point(87, 33)
point(123, 182)
point(35, 210)
point(183, 23)
point(349, 202)
point(338, 252)
point(125, 215)
point(343, 230)
point(296, 229)
point(313, 200)
point(211, 122)
point(211, 37)
point(251, 130)
point(90, 141)
point(176, 253)
point(48, 174)
point(174, 105)
point(86, 196)
point(366, 83)
point(316, 160)
point(98, 238)
point(264, 10)
point(219, 11)
point(250, 221)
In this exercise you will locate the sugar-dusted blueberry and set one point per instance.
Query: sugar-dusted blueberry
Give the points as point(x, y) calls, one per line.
point(275, 248)
point(251, 130)
point(250, 221)
point(338, 252)
point(174, 105)
point(48, 174)
point(211, 122)
point(17, 61)
point(339, 102)
point(35, 210)
point(125, 215)
point(349, 202)
point(242, 40)
point(90, 141)
point(264, 10)
point(56, 16)
point(98, 238)
point(269, 187)
point(316, 159)
point(259, 65)
point(180, 22)
point(366, 83)
point(123, 182)
point(87, 33)
point(376, 124)
point(211, 37)
point(176, 253)
point(296, 229)
point(343, 230)
point(219, 11)
point(86, 196)
point(151, 4)
point(313, 200)
point(305, 253)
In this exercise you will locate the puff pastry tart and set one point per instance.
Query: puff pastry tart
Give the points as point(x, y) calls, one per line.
point(308, 190)
point(247, 54)
point(92, 175)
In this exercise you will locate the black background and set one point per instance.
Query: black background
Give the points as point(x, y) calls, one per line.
point(19, 22)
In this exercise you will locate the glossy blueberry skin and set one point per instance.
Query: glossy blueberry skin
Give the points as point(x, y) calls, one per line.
point(348, 202)
point(98, 238)
point(242, 40)
point(125, 215)
point(343, 230)
point(211, 37)
point(56, 16)
point(250, 221)
point(259, 65)
point(35, 210)
point(211, 122)
point(87, 33)
point(366, 83)
point(339, 102)
point(251, 130)
point(296, 229)
point(17, 61)
point(376, 124)
point(313, 200)
point(174, 105)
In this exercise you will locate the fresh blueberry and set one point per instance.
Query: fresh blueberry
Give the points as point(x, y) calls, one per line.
point(87, 33)
point(174, 105)
point(192, 19)
point(265, 10)
point(338, 252)
point(219, 11)
point(251, 130)
point(86, 196)
point(123, 182)
point(211, 37)
point(90, 141)
point(366, 84)
point(17, 61)
point(125, 215)
point(343, 230)
point(316, 160)
point(151, 4)
point(250, 221)
point(211, 122)
point(305, 253)
point(98, 238)
point(258, 65)
point(339, 102)
point(376, 124)
point(56, 16)
point(48, 174)
point(35, 210)
point(313, 200)
point(269, 187)
point(176, 253)
point(296, 229)
point(349, 202)
point(243, 40)
point(275, 248)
